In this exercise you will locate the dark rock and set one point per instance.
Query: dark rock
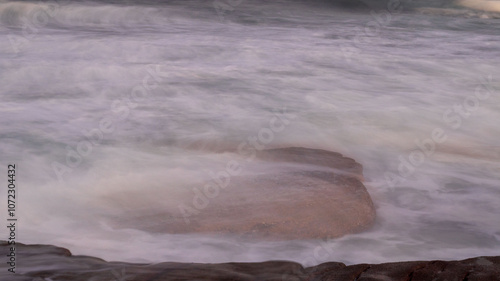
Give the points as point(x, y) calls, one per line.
point(49, 263)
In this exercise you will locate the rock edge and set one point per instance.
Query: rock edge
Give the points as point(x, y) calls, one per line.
point(51, 263)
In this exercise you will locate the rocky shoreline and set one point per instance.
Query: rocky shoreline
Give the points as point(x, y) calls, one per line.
point(51, 263)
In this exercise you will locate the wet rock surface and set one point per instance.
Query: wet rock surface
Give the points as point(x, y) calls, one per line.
point(301, 194)
point(50, 263)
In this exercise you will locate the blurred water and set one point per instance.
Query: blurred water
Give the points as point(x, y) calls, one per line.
point(149, 96)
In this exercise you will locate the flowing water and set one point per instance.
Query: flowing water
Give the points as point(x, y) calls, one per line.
point(110, 107)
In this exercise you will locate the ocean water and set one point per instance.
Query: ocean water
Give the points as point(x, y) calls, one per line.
point(109, 108)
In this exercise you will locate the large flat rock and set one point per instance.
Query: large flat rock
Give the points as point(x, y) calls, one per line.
point(300, 194)
point(49, 263)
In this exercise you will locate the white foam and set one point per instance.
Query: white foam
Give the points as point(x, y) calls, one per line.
point(222, 83)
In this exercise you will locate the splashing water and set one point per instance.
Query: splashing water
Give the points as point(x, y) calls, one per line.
point(110, 106)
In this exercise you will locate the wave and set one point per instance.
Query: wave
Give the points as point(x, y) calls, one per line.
point(46, 14)
point(113, 13)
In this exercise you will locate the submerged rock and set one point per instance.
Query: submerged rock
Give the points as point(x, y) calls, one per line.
point(49, 263)
point(298, 193)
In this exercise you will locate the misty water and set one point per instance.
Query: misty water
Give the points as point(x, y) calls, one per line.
point(109, 108)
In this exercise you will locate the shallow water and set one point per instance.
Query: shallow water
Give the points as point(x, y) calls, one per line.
point(108, 107)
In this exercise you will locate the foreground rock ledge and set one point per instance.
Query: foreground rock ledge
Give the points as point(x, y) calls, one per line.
point(297, 193)
point(46, 263)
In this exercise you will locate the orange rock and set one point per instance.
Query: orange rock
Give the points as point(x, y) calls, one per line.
point(308, 193)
